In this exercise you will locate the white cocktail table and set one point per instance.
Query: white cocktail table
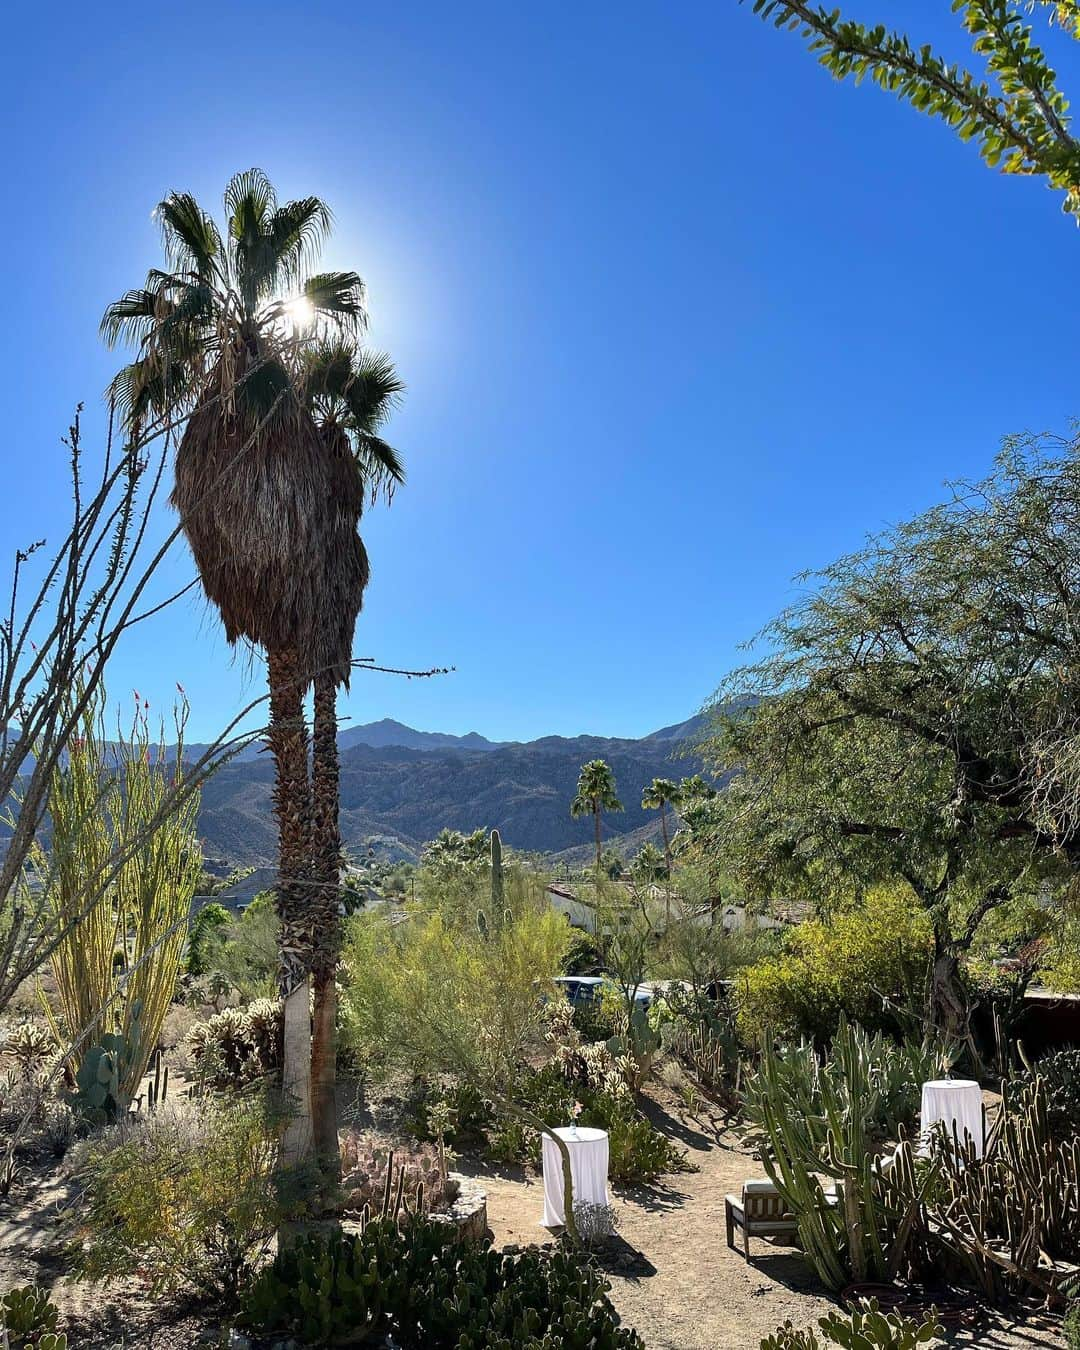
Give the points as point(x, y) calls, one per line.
point(958, 1103)
point(588, 1168)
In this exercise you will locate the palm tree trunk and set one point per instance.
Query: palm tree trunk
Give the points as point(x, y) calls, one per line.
point(667, 842)
point(596, 826)
point(327, 860)
point(292, 807)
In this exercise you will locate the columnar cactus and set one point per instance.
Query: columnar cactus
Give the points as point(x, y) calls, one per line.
point(496, 874)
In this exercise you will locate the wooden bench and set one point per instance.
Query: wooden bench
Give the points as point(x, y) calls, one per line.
point(759, 1211)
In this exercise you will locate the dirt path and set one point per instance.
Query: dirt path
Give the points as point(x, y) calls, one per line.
point(673, 1276)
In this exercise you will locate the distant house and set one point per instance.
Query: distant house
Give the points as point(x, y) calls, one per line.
point(581, 913)
point(239, 895)
point(736, 917)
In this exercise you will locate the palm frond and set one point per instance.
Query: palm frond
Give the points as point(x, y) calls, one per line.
point(249, 200)
point(340, 294)
point(296, 232)
point(374, 390)
point(127, 319)
point(148, 388)
point(379, 464)
point(192, 242)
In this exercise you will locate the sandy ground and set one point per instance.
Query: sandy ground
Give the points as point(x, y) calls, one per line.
point(673, 1276)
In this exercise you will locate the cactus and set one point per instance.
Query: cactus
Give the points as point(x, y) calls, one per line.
point(639, 1043)
point(28, 1320)
point(496, 873)
point(354, 1287)
point(864, 1327)
point(1005, 1224)
point(99, 1093)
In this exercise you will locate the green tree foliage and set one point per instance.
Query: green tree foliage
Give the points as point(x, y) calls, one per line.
point(117, 965)
point(915, 717)
point(1012, 108)
point(647, 865)
point(595, 795)
point(246, 952)
point(869, 964)
point(208, 923)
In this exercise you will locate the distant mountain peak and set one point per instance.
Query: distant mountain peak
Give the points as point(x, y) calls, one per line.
point(387, 732)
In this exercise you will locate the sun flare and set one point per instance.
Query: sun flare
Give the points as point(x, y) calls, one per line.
point(299, 313)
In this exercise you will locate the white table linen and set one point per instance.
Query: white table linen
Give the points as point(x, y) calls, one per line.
point(588, 1167)
point(956, 1101)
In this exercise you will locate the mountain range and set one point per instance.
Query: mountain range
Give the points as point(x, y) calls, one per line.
point(400, 787)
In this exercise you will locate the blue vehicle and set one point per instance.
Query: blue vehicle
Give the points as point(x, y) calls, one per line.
point(583, 989)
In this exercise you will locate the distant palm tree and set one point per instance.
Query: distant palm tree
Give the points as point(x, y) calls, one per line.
point(217, 341)
point(658, 796)
point(595, 794)
point(350, 393)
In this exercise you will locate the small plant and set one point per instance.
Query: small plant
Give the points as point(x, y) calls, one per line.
point(864, 1327)
point(28, 1320)
point(595, 1223)
point(99, 1095)
point(59, 1127)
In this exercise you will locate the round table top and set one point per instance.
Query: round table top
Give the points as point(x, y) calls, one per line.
point(950, 1083)
point(583, 1134)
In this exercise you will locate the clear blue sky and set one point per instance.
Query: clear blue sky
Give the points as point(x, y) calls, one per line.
point(679, 316)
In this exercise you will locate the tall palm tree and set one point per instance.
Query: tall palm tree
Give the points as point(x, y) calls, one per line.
point(658, 796)
point(595, 794)
point(216, 343)
point(350, 393)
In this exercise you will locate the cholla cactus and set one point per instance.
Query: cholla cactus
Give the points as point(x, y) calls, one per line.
point(31, 1046)
point(238, 1045)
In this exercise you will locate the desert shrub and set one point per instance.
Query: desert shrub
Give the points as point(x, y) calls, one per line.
point(184, 1196)
point(637, 1151)
point(1071, 1325)
point(868, 964)
point(28, 1320)
point(1060, 1073)
point(864, 1327)
point(237, 1045)
point(469, 1115)
point(428, 1292)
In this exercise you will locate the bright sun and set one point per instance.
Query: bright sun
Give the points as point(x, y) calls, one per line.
point(300, 313)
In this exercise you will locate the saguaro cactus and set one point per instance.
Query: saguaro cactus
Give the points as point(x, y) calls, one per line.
point(496, 874)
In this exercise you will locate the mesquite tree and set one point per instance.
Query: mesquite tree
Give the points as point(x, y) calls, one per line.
point(916, 716)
